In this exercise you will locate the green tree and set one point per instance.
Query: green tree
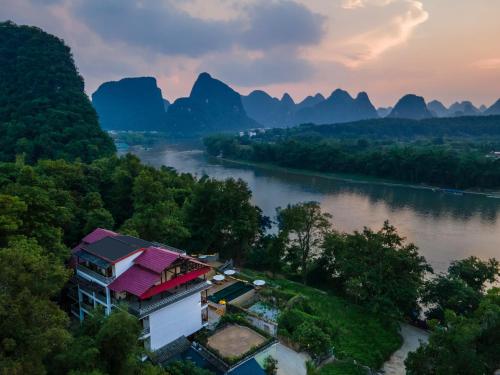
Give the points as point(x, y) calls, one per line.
point(461, 289)
point(271, 365)
point(109, 344)
point(475, 272)
point(98, 218)
point(157, 216)
point(268, 253)
point(117, 341)
point(449, 293)
point(376, 269)
point(467, 346)
point(304, 226)
point(11, 208)
point(32, 327)
point(186, 368)
point(221, 218)
point(312, 339)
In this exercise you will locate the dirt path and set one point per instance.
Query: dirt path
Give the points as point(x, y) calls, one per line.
point(412, 337)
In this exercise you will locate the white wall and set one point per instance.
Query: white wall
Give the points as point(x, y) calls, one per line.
point(125, 264)
point(173, 321)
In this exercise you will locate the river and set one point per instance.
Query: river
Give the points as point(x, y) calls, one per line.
point(444, 226)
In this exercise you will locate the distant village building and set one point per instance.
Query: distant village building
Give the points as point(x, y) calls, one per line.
point(494, 154)
point(162, 286)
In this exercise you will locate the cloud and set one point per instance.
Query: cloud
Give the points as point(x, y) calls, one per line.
point(167, 28)
point(369, 45)
point(281, 23)
point(267, 69)
point(155, 25)
point(489, 64)
point(354, 4)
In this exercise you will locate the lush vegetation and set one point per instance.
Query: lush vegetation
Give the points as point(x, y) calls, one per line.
point(461, 163)
point(397, 128)
point(461, 290)
point(376, 269)
point(467, 345)
point(44, 112)
point(351, 331)
point(369, 279)
point(47, 207)
point(341, 368)
point(384, 276)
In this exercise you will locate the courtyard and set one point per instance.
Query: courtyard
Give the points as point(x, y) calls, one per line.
point(235, 340)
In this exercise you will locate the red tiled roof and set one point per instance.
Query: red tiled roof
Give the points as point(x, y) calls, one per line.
point(98, 234)
point(175, 282)
point(156, 259)
point(136, 280)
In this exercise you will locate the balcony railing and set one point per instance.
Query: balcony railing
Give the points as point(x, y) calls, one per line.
point(104, 279)
point(144, 332)
point(146, 308)
point(87, 306)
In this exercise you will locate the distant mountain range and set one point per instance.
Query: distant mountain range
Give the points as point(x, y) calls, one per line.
point(213, 106)
point(130, 104)
point(411, 107)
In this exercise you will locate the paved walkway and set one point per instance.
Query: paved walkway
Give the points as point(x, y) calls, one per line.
point(289, 361)
point(412, 337)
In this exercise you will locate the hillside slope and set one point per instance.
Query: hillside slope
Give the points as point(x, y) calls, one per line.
point(44, 112)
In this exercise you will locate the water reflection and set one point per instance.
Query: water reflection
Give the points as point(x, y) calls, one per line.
point(444, 226)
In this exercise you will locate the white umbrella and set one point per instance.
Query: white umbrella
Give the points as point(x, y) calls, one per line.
point(219, 277)
point(229, 272)
point(259, 283)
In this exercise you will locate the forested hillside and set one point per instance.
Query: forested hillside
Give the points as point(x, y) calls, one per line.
point(44, 112)
point(449, 152)
point(396, 128)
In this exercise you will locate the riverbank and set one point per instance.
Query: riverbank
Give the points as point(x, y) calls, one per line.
point(360, 179)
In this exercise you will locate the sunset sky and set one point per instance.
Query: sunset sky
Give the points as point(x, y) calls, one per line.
point(440, 49)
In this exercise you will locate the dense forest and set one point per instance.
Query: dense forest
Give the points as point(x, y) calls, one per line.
point(46, 208)
point(455, 163)
point(44, 112)
point(397, 128)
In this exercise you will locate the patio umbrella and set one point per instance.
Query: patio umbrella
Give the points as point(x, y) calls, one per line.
point(219, 277)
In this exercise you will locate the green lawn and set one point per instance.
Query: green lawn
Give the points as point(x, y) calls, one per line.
point(359, 334)
point(342, 368)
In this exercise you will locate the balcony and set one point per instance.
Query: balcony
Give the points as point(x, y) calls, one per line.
point(87, 306)
point(144, 332)
point(95, 275)
point(146, 307)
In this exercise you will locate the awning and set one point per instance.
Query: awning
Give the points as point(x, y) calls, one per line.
point(175, 282)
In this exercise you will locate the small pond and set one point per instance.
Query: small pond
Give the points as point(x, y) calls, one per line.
point(265, 310)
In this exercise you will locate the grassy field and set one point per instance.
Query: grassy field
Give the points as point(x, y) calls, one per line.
point(342, 368)
point(360, 335)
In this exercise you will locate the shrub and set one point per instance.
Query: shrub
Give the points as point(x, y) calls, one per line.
point(312, 339)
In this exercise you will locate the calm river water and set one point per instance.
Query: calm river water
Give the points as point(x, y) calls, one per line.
point(444, 226)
